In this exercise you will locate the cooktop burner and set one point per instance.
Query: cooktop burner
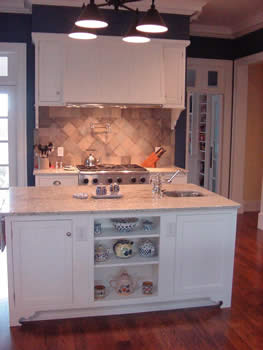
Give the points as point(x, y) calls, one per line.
point(111, 167)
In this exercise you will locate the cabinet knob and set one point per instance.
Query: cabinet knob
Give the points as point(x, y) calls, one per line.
point(56, 183)
point(68, 234)
point(58, 93)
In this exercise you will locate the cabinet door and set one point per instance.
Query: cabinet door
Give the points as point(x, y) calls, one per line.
point(83, 79)
point(204, 255)
point(109, 71)
point(146, 75)
point(197, 256)
point(42, 253)
point(51, 69)
point(174, 76)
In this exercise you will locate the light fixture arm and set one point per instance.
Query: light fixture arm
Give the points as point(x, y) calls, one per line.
point(117, 4)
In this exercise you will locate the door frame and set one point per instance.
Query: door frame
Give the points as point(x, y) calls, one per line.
point(240, 126)
point(19, 49)
point(225, 67)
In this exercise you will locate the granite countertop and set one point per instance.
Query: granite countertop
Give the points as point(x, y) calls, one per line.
point(59, 200)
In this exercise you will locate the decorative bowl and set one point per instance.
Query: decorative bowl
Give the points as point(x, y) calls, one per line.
point(125, 225)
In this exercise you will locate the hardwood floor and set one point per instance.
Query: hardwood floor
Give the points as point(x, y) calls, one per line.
point(238, 328)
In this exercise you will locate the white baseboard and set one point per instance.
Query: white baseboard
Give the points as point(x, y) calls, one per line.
point(260, 221)
point(251, 205)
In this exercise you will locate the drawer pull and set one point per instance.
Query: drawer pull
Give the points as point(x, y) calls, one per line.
point(68, 234)
point(56, 183)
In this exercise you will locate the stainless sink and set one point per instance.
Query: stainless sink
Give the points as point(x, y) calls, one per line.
point(182, 194)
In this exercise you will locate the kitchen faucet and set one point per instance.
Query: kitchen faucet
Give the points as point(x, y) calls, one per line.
point(178, 171)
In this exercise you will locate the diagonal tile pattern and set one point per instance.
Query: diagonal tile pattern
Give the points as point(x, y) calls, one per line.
point(134, 133)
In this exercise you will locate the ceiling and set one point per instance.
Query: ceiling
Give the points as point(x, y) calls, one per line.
point(229, 18)
point(217, 18)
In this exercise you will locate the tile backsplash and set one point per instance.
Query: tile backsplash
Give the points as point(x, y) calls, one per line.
point(133, 134)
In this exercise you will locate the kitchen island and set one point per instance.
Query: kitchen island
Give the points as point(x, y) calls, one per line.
point(51, 242)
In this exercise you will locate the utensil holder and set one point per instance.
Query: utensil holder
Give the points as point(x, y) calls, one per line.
point(43, 163)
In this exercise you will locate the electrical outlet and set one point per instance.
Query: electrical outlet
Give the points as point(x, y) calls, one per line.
point(60, 151)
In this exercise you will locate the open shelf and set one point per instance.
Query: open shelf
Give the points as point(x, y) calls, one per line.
point(137, 294)
point(134, 261)
point(109, 233)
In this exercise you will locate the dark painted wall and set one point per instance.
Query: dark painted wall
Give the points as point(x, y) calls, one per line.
point(16, 28)
point(212, 48)
point(249, 44)
point(58, 19)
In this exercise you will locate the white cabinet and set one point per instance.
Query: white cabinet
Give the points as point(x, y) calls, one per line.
point(42, 263)
point(56, 180)
point(107, 70)
point(50, 57)
point(198, 255)
point(174, 76)
point(52, 272)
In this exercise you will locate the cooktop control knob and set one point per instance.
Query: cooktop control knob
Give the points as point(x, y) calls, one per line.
point(95, 181)
point(86, 181)
point(133, 180)
point(110, 180)
point(142, 180)
point(119, 180)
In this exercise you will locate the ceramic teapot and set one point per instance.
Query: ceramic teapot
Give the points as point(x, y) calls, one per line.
point(123, 284)
point(123, 248)
point(101, 253)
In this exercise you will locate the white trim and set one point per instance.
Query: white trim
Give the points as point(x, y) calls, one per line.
point(21, 138)
point(204, 30)
point(225, 88)
point(240, 126)
point(249, 205)
point(260, 215)
point(250, 25)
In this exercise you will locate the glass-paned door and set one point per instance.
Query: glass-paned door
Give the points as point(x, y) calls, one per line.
point(204, 122)
point(7, 139)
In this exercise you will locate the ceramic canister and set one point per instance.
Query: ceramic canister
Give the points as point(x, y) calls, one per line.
point(99, 292)
point(147, 287)
point(147, 248)
point(101, 253)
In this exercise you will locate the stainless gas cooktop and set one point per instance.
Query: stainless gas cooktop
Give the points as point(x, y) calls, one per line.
point(110, 173)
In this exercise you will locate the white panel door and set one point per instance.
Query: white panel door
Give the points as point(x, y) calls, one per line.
point(203, 254)
point(42, 253)
point(51, 69)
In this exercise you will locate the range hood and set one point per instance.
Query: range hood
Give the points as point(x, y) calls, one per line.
point(111, 105)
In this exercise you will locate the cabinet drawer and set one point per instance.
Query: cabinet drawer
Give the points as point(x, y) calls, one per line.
point(57, 180)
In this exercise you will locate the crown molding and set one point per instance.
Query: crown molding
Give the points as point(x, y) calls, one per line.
point(211, 31)
point(252, 24)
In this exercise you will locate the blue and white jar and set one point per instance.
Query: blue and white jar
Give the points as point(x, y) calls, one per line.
point(147, 248)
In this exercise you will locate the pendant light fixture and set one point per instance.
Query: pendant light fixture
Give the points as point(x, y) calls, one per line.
point(133, 35)
point(91, 17)
point(82, 34)
point(152, 22)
